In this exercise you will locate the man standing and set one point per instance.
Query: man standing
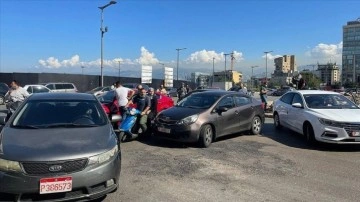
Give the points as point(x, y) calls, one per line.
point(263, 92)
point(181, 91)
point(143, 104)
point(123, 95)
point(15, 96)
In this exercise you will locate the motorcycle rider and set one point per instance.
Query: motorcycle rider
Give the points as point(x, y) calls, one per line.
point(14, 97)
point(143, 104)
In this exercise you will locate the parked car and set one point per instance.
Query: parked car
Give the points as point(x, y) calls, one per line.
point(4, 88)
point(36, 89)
point(58, 147)
point(172, 92)
point(61, 87)
point(282, 91)
point(324, 116)
point(202, 117)
point(270, 91)
point(99, 90)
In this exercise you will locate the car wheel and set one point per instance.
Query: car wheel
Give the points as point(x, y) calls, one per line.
point(2, 100)
point(309, 133)
point(206, 136)
point(277, 121)
point(256, 125)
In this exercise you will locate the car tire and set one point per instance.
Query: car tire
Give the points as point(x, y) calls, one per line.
point(309, 133)
point(256, 126)
point(277, 121)
point(2, 100)
point(206, 136)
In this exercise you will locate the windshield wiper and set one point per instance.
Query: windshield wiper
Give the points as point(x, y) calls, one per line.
point(26, 126)
point(68, 125)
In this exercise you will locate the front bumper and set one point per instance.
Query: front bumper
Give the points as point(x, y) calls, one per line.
point(181, 133)
point(329, 134)
point(88, 184)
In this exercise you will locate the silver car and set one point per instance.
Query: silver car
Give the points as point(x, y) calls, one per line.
point(56, 147)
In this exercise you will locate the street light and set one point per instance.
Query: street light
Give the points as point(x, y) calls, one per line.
point(225, 54)
point(252, 74)
point(177, 63)
point(266, 52)
point(102, 31)
point(119, 69)
point(212, 81)
point(82, 70)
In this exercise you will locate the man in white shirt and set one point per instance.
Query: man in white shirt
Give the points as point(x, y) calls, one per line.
point(15, 96)
point(123, 95)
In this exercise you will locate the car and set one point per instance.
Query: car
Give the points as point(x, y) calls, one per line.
point(4, 88)
point(205, 116)
point(99, 90)
point(270, 91)
point(61, 87)
point(58, 147)
point(321, 116)
point(36, 88)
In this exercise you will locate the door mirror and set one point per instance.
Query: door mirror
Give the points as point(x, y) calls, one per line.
point(222, 109)
point(297, 105)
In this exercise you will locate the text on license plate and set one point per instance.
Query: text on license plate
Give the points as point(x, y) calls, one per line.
point(164, 130)
point(55, 185)
point(355, 133)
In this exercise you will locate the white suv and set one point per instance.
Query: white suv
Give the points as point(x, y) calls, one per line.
point(61, 87)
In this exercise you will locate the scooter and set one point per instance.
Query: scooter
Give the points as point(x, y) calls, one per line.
point(129, 130)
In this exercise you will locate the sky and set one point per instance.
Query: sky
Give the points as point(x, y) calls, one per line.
point(62, 36)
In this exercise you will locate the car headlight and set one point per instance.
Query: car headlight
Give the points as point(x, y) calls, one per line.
point(328, 122)
point(104, 157)
point(7, 166)
point(188, 120)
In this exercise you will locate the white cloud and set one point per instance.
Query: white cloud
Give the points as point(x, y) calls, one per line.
point(326, 52)
point(51, 63)
point(270, 56)
point(205, 56)
point(147, 58)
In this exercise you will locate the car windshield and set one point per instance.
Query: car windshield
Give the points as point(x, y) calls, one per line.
point(198, 100)
point(328, 101)
point(107, 97)
point(60, 113)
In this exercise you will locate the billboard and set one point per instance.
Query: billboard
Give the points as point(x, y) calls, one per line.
point(169, 77)
point(146, 74)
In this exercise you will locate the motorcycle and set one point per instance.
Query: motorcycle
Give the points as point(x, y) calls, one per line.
point(129, 129)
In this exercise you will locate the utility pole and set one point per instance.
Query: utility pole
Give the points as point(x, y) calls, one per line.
point(266, 53)
point(225, 74)
point(232, 60)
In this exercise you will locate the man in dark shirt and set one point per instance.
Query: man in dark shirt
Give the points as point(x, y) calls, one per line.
point(143, 104)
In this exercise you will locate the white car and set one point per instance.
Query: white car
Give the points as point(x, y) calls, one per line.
point(36, 89)
point(319, 115)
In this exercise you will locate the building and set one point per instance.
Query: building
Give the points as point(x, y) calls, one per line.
point(285, 67)
point(351, 52)
point(200, 79)
point(329, 73)
point(231, 75)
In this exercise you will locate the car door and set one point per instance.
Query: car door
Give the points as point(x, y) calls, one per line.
point(226, 121)
point(283, 107)
point(245, 111)
point(296, 115)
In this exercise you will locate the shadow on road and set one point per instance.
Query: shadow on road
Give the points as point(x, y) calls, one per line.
point(296, 140)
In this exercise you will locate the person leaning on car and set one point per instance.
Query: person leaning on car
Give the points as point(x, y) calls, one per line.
point(143, 104)
point(16, 93)
point(123, 95)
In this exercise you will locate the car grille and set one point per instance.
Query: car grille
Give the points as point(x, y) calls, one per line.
point(166, 120)
point(66, 166)
point(351, 127)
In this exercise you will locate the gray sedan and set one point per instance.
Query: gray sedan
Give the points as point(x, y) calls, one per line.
point(58, 147)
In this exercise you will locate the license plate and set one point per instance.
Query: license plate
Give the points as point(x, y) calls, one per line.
point(55, 185)
point(164, 130)
point(355, 133)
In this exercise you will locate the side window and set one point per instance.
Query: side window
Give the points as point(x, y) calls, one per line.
point(68, 86)
point(287, 98)
point(227, 102)
point(50, 86)
point(59, 86)
point(297, 99)
point(241, 101)
point(29, 89)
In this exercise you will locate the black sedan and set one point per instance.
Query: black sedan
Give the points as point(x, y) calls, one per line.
point(202, 117)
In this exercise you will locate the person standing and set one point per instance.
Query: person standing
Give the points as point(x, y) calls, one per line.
point(123, 95)
point(153, 108)
point(263, 91)
point(188, 88)
point(143, 104)
point(14, 97)
point(181, 92)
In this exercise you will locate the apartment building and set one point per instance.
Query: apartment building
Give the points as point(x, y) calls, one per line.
point(351, 52)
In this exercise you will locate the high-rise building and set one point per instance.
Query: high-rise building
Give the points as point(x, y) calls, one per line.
point(285, 64)
point(329, 73)
point(351, 52)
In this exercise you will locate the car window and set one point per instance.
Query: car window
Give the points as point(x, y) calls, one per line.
point(287, 98)
point(29, 89)
point(328, 101)
point(297, 99)
point(227, 102)
point(197, 100)
point(240, 100)
point(68, 86)
point(59, 86)
point(39, 89)
point(50, 86)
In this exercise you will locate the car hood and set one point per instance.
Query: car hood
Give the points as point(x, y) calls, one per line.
point(178, 113)
point(53, 145)
point(341, 115)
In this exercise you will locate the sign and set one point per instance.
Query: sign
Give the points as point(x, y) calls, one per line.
point(169, 77)
point(55, 185)
point(146, 74)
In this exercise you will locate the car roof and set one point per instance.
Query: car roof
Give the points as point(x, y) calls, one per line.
point(62, 96)
point(316, 92)
point(217, 92)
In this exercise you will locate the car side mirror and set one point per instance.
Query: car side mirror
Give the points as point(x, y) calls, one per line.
point(222, 109)
point(297, 105)
point(115, 118)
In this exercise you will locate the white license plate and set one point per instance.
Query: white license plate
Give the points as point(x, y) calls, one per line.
point(55, 185)
point(164, 130)
point(355, 133)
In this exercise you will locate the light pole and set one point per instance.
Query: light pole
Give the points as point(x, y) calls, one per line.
point(266, 53)
point(102, 31)
point(177, 63)
point(119, 69)
point(225, 54)
point(82, 70)
point(252, 74)
point(212, 81)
